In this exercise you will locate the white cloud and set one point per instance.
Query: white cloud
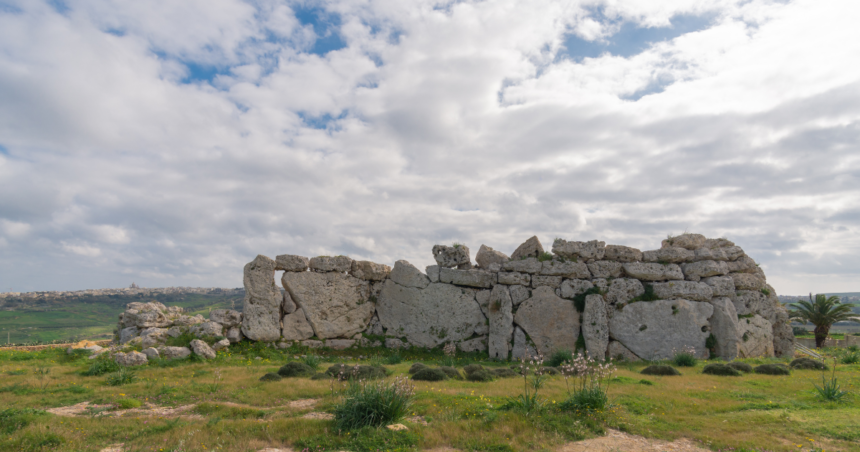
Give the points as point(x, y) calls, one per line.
point(82, 250)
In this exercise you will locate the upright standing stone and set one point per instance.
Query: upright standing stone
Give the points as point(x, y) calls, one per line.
point(756, 337)
point(335, 304)
point(408, 275)
point(296, 326)
point(655, 330)
point(595, 327)
point(593, 249)
point(724, 326)
point(522, 349)
point(551, 322)
point(501, 322)
point(529, 248)
point(261, 314)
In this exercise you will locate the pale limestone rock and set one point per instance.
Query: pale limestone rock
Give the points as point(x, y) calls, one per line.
point(223, 344)
point(433, 272)
point(718, 243)
point(621, 253)
point(228, 318)
point(291, 263)
point(756, 335)
point(296, 326)
point(655, 330)
point(595, 327)
point(336, 305)
point(570, 288)
point(234, 335)
point(697, 270)
point(494, 267)
point(130, 359)
point(501, 322)
point(688, 241)
point(722, 286)
point(451, 256)
point(174, 352)
point(511, 278)
point(593, 249)
point(751, 302)
point(519, 294)
point(202, 349)
point(747, 281)
point(312, 344)
point(288, 306)
point(743, 264)
point(487, 256)
point(176, 331)
point(427, 318)
point(478, 344)
point(783, 335)
point(671, 254)
point(724, 326)
point(151, 353)
point(653, 272)
point(529, 265)
point(408, 275)
point(550, 321)
point(395, 343)
point(548, 281)
point(601, 283)
point(483, 299)
point(146, 306)
point(186, 320)
point(339, 344)
point(734, 252)
point(323, 264)
point(261, 313)
point(688, 290)
point(375, 328)
point(204, 329)
point(710, 254)
point(529, 248)
point(622, 290)
point(618, 352)
point(567, 269)
point(127, 334)
point(470, 278)
point(522, 348)
point(605, 269)
point(369, 271)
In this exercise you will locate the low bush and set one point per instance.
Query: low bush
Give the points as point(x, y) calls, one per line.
point(121, 377)
point(127, 404)
point(560, 357)
point(504, 373)
point(685, 358)
point(321, 376)
point(807, 364)
point(586, 401)
point(659, 369)
point(470, 368)
point(721, 370)
point(739, 366)
point(344, 372)
point(481, 375)
point(418, 366)
point(104, 364)
point(851, 358)
point(772, 369)
point(394, 359)
point(646, 382)
point(373, 404)
point(271, 376)
point(451, 372)
point(295, 369)
point(428, 374)
point(313, 361)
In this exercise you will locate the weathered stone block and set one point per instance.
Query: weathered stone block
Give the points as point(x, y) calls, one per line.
point(551, 322)
point(566, 269)
point(369, 271)
point(451, 256)
point(548, 281)
point(261, 313)
point(501, 322)
point(529, 248)
point(688, 290)
point(336, 305)
point(291, 263)
point(593, 249)
point(671, 254)
point(323, 264)
point(605, 269)
point(621, 253)
point(408, 275)
point(595, 327)
point(697, 270)
point(511, 278)
point(296, 326)
point(756, 337)
point(470, 278)
point(653, 272)
point(528, 265)
point(487, 256)
point(656, 330)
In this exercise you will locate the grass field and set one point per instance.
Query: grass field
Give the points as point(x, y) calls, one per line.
point(228, 408)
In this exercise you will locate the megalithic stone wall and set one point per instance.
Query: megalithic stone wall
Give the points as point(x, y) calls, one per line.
point(690, 293)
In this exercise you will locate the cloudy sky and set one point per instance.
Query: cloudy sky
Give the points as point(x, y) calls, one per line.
point(169, 142)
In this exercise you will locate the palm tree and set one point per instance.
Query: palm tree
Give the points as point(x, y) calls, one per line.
point(823, 312)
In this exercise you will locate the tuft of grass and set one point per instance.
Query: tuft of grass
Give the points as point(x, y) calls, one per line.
point(588, 400)
point(684, 359)
point(851, 358)
point(128, 403)
point(648, 295)
point(295, 369)
point(394, 359)
point(313, 361)
point(545, 256)
point(101, 365)
point(373, 404)
point(121, 377)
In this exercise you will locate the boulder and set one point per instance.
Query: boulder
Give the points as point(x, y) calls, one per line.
point(709, 254)
point(687, 241)
point(153, 336)
point(605, 269)
point(174, 352)
point(291, 263)
point(697, 270)
point(408, 275)
point(470, 278)
point(369, 271)
point(210, 329)
point(487, 256)
point(478, 344)
point(223, 344)
point(529, 248)
point(151, 353)
point(743, 264)
point(451, 256)
point(551, 322)
point(756, 335)
point(176, 331)
point(567, 269)
point(501, 322)
point(621, 253)
point(570, 288)
point(185, 320)
point(527, 265)
point(783, 334)
point(522, 348)
point(618, 352)
point(296, 326)
point(671, 254)
point(325, 264)
point(429, 317)
point(130, 359)
point(261, 311)
point(655, 330)
point(228, 318)
point(718, 243)
point(722, 286)
point(688, 290)
point(595, 327)
point(733, 252)
point(433, 272)
point(512, 278)
point(548, 281)
point(146, 306)
point(336, 305)
point(234, 335)
point(653, 272)
point(288, 306)
point(621, 291)
point(149, 319)
point(127, 334)
point(202, 349)
point(593, 249)
point(339, 344)
point(519, 294)
point(724, 326)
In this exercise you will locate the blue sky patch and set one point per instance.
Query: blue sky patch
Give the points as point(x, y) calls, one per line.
point(3, 150)
point(326, 26)
point(654, 87)
point(59, 5)
point(321, 122)
point(202, 72)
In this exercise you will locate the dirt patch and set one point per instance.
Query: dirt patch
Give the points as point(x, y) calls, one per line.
point(618, 441)
point(319, 416)
point(35, 348)
point(148, 410)
point(417, 420)
point(114, 448)
point(303, 404)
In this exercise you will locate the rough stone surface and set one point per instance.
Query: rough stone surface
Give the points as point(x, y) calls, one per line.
point(595, 327)
point(470, 278)
point(433, 273)
point(529, 248)
point(655, 330)
point(174, 352)
point(483, 299)
point(519, 294)
point(501, 322)
point(127, 334)
point(621, 253)
point(753, 302)
point(697, 270)
point(369, 271)
point(653, 272)
point(336, 305)
point(550, 321)
point(743, 264)
point(722, 286)
point(593, 249)
point(528, 265)
point(718, 243)
point(130, 359)
point(710, 254)
point(451, 256)
point(522, 348)
point(202, 349)
point(408, 275)
point(511, 278)
point(605, 269)
point(618, 352)
point(185, 320)
point(261, 312)
point(296, 326)
point(207, 329)
point(478, 344)
point(688, 241)
point(427, 318)
point(339, 264)
point(223, 344)
point(548, 281)
point(291, 263)
point(176, 331)
point(288, 306)
point(312, 344)
point(487, 256)
point(724, 326)
point(622, 290)
point(234, 335)
point(570, 288)
point(151, 353)
point(339, 344)
point(756, 335)
point(567, 269)
point(671, 254)
point(733, 252)
point(228, 318)
point(688, 290)
point(783, 335)
point(395, 343)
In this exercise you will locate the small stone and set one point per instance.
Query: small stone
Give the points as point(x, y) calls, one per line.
point(130, 359)
point(369, 271)
point(605, 269)
point(408, 275)
point(451, 256)
point(210, 329)
point(323, 264)
point(747, 281)
point(718, 243)
point(519, 294)
point(288, 306)
point(688, 241)
point(529, 248)
point(151, 353)
point(291, 263)
point(223, 344)
point(570, 288)
point(487, 256)
point(397, 427)
point(671, 254)
point(174, 352)
point(228, 318)
point(621, 253)
point(202, 349)
point(234, 335)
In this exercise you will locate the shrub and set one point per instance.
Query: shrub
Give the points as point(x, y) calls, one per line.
point(271, 376)
point(830, 389)
point(648, 295)
point(560, 357)
point(344, 372)
point(418, 366)
point(685, 358)
point(772, 369)
point(807, 364)
point(394, 359)
point(851, 358)
point(545, 256)
point(104, 364)
point(127, 404)
point(720, 369)
point(313, 361)
point(451, 372)
point(660, 369)
point(646, 382)
point(321, 376)
point(429, 374)
point(121, 377)
point(586, 400)
point(295, 369)
point(374, 404)
point(504, 373)
point(471, 368)
point(550, 371)
point(480, 375)
point(743, 367)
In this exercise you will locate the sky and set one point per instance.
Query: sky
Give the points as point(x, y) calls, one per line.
point(168, 143)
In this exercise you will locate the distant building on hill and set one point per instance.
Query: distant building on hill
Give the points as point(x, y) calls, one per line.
point(133, 286)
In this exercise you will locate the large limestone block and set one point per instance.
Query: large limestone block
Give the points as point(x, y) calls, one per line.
point(127, 334)
point(671, 254)
point(522, 348)
point(566, 269)
point(291, 263)
point(549, 281)
point(261, 311)
point(205, 329)
point(339, 264)
point(130, 359)
point(688, 290)
point(433, 272)
point(452, 256)
point(687, 240)
point(593, 249)
point(656, 330)
point(336, 305)
point(470, 278)
point(621, 253)
point(153, 336)
point(408, 275)
point(653, 272)
point(743, 264)
point(202, 349)
point(186, 320)
point(228, 318)
point(501, 323)
point(296, 326)
point(605, 269)
point(697, 270)
point(369, 271)
point(722, 286)
point(622, 290)
point(487, 256)
point(595, 327)
point(734, 252)
point(483, 299)
point(570, 288)
point(756, 335)
point(551, 322)
point(527, 265)
point(754, 302)
point(724, 326)
point(529, 248)
point(783, 335)
point(519, 294)
point(710, 254)
point(618, 352)
point(718, 243)
point(146, 306)
point(478, 344)
point(288, 306)
point(174, 352)
point(435, 315)
point(234, 335)
point(512, 278)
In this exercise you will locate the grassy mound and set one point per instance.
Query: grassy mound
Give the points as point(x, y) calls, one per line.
point(807, 364)
point(270, 377)
point(660, 369)
point(772, 369)
point(481, 375)
point(360, 372)
point(295, 369)
point(504, 373)
point(416, 367)
point(428, 374)
point(472, 368)
point(451, 372)
point(739, 366)
point(720, 369)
